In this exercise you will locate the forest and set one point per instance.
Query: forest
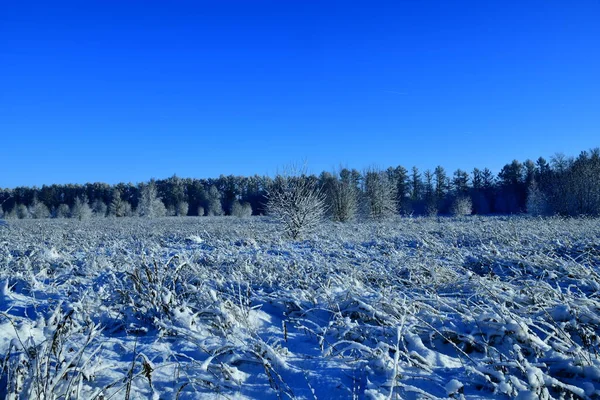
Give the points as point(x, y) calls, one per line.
point(567, 186)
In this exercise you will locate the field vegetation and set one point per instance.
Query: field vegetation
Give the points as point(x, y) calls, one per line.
point(192, 308)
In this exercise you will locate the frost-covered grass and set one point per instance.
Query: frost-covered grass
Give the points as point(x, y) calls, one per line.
point(197, 307)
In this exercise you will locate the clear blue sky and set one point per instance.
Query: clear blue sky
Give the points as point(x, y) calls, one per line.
point(116, 91)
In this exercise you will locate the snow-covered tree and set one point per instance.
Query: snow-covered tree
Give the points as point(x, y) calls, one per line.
point(379, 195)
point(62, 211)
point(99, 208)
point(22, 212)
point(118, 207)
point(537, 203)
point(81, 209)
point(241, 210)
point(150, 205)
point(38, 209)
point(343, 197)
point(297, 202)
point(214, 202)
point(462, 206)
point(182, 209)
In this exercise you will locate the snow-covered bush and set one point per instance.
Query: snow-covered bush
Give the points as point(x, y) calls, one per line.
point(379, 195)
point(150, 205)
point(462, 206)
point(99, 209)
point(537, 203)
point(81, 209)
point(214, 207)
point(38, 210)
point(62, 211)
point(119, 207)
point(182, 209)
point(297, 203)
point(22, 211)
point(241, 210)
point(343, 200)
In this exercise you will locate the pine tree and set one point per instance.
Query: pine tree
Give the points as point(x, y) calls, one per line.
point(214, 202)
point(150, 205)
point(81, 210)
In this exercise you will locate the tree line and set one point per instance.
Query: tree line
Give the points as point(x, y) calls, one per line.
point(567, 186)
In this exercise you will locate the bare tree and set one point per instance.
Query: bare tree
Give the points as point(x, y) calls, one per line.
point(343, 198)
point(297, 202)
point(379, 195)
point(462, 206)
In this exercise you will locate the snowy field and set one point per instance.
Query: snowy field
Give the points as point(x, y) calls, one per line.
point(203, 308)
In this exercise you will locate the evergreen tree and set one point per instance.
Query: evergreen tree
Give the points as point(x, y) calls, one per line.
point(150, 206)
point(379, 195)
point(214, 202)
point(81, 209)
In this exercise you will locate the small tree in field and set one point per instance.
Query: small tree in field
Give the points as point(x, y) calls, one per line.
point(150, 205)
point(296, 202)
point(241, 210)
point(62, 211)
point(343, 198)
point(22, 211)
point(119, 207)
point(81, 210)
point(537, 203)
point(214, 202)
point(38, 210)
point(182, 209)
point(99, 208)
point(379, 195)
point(462, 206)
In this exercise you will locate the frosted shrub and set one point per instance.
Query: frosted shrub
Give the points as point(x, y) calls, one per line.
point(343, 200)
point(81, 210)
point(214, 202)
point(297, 203)
point(182, 209)
point(379, 195)
point(150, 205)
point(38, 210)
point(462, 206)
point(241, 210)
point(62, 211)
point(537, 203)
point(119, 207)
point(99, 209)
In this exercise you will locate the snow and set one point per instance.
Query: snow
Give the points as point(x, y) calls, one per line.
point(195, 308)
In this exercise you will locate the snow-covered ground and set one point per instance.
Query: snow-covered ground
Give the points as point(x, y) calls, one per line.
point(196, 308)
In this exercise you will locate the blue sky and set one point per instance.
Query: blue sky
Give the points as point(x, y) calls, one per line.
point(117, 91)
